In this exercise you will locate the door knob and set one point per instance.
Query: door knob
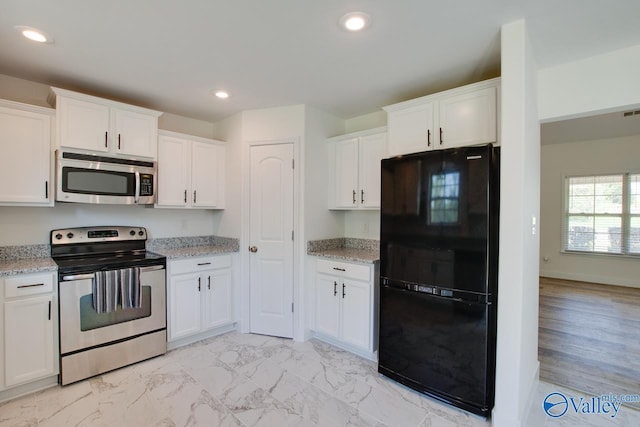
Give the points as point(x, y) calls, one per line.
point(253, 249)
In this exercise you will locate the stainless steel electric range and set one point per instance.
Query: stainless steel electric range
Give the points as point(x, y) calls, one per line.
point(112, 299)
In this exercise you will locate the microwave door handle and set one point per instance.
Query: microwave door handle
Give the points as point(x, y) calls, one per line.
point(136, 197)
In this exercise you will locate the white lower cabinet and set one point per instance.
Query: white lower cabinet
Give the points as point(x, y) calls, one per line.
point(200, 295)
point(346, 305)
point(29, 325)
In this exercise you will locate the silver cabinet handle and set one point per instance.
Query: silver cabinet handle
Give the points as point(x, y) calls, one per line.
point(194, 196)
point(339, 269)
point(354, 197)
point(106, 139)
point(49, 316)
point(440, 136)
point(361, 196)
point(30, 286)
point(209, 282)
point(343, 293)
point(185, 196)
point(204, 263)
point(118, 141)
point(46, 189)
point(199, 283)
point(428, 137)
point(335, 288)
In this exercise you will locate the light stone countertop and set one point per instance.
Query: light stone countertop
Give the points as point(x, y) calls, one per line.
point(13, 267)
point(346, 249)
point(195, 251)
point(26, 259)
point(190, 247)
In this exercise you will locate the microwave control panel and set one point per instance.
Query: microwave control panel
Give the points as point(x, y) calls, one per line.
point(146, 184)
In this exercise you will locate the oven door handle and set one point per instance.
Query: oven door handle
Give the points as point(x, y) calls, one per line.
point(72, 277)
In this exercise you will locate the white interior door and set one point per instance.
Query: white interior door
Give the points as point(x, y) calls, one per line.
point(271, 239)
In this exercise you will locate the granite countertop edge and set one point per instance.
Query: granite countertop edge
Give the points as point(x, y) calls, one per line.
point(27, 266)
point(346, 249)
point(195, 251)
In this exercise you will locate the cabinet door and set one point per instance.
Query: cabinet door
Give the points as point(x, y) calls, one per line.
point(28, 330)
point(345, 158)
point(25, 140)
point(173, 171)
point(356, 313)
point(372, 149)
point(217, 298)
point(184, 305)
point(411, 129)
point(204, 175)
point(328, 293)
point(468, 118)
point(136, 134)
point(84, 125)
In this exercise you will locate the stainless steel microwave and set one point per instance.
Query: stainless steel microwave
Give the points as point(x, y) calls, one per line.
point(88, 178)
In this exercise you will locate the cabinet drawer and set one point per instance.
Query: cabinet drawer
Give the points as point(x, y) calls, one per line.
point(28, 284)
point(344, 269)
point(200, 264)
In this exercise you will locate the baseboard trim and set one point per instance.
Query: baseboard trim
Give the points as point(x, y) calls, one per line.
point(25, 389)
point(602, 280)
point(181, 342)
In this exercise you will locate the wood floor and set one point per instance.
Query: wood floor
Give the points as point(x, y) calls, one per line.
point(589, 337)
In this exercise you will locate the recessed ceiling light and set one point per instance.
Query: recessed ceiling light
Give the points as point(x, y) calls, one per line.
point(33, 34)
point(222, 94)
point(355, 21)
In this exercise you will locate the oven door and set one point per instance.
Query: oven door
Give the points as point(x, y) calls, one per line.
point(81, 327)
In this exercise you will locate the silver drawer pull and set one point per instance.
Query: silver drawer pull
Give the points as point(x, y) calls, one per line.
point(339, 269)
point(204, 263)
point(30, 286)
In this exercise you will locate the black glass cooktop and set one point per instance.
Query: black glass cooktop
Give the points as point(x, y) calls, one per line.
point(102, 262)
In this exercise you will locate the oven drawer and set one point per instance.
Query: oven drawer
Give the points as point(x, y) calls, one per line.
point(191, 265)
point(28, 284)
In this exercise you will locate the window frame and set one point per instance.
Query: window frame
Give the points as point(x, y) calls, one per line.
point(626, 215)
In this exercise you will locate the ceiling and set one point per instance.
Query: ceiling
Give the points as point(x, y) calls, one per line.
point(168, 55)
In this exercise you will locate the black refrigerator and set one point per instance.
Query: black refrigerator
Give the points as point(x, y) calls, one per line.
point(438, 274)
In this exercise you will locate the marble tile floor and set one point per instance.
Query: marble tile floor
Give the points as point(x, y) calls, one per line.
point(251, 380)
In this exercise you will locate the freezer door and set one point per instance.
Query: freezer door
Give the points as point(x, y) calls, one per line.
point(443, 347)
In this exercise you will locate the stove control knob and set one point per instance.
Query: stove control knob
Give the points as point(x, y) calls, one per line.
point(58, 236)
point(132, 232)
point(140, 233)
point(69, 235)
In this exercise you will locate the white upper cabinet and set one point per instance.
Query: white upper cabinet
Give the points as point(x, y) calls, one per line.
point(25, 163)
point(354, 169)
point(458, 117)
point(191, 172)
point(100, 125)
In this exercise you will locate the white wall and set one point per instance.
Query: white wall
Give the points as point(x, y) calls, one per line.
point(362, 224)
point(582, 158)
point(517, 339)
point(599, 84)
point(30, 226)
point(366, 121)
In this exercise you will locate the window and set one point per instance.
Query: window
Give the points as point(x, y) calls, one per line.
point(445, 189)
point(602, 214)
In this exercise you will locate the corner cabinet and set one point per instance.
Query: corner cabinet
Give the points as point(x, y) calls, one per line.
point(346, 306)
point(25, 163)
point(354, 169)
point(29, 325)
point(199, 297)
point(467, 115)
point(99, 125)
point(191, 172)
